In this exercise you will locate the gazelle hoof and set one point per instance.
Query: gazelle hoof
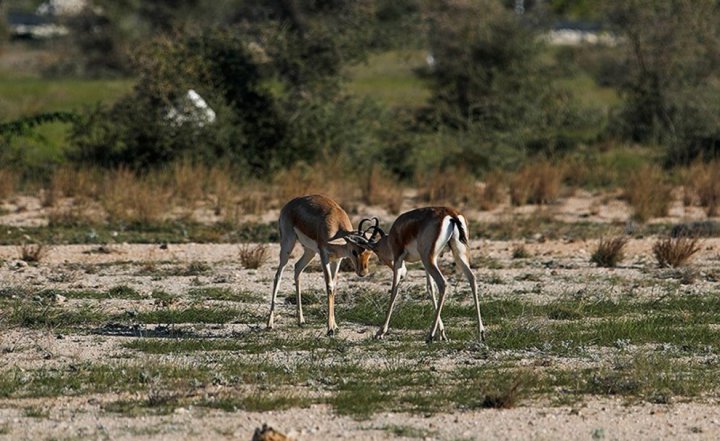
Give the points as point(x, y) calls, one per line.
point(380, 335)
point(331, 332)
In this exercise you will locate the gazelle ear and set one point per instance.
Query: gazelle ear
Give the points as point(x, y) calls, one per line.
point(338, 241)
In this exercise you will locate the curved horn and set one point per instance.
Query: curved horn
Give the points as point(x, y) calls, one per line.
point(360, 226)
point(377, 230)
point(371, 227)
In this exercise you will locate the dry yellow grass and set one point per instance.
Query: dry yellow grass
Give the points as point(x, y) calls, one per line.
point(325, 177)
point(378, 187)
point(132, 199)
point(536, 183)
point(9, 180)
point(675, 251)
point(448, 186)
point(648, 193)
point(702, 186)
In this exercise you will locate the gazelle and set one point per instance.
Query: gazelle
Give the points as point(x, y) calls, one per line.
point(422, 234)
point(322, 227)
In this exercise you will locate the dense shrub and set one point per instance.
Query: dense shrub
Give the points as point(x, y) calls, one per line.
point(670, 89)
point(490, 82)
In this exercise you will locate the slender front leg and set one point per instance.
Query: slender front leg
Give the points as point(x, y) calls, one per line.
point(431, 290)
point(330, 289)
point(398, 272)
point(300, 265)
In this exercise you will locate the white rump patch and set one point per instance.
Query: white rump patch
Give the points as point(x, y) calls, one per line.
point(447, 228)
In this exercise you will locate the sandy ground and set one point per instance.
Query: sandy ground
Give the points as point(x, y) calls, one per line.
point(555, 268)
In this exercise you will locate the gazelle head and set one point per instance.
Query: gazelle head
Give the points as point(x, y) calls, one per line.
point(357, 246)
point(359, 257)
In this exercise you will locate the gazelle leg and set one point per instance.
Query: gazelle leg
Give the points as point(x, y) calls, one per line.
point(434, 271)
point(398, 273)
point(461, 259)
point(287, 243)
point(300, 265)
point(330, 289)
point(334, 270)
point(431, 291)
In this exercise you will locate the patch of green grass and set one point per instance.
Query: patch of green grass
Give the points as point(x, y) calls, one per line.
point(257, 401)
point(24, 96)
point(390, 78)
point(196, 315)
point(116, 292)
point(36, 315)
point(224, 294)
point(167, 232)
point(133, 408)
point(651, 377)
point(167, 346)
point(36, 412)
point(87, 378)
point(526, 227)
point(361, 399)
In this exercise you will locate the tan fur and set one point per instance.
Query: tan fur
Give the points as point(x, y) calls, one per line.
point(414, 236)
point(322, 227)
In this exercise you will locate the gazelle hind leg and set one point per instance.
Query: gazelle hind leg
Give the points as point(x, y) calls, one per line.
point(300, 265)
point(431, 291)
point(434, 272)
point(460, 253)
point(287, 243)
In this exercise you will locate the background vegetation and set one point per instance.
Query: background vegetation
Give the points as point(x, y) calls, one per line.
point(398, 90)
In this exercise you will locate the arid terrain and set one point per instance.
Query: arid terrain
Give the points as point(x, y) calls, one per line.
point(167, 341)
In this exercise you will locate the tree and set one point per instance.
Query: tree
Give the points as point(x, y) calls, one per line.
point(489, 81)
point(672, 53)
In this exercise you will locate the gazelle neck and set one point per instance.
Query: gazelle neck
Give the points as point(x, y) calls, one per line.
point(384, 252)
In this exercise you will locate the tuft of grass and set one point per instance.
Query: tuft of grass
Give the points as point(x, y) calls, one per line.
point(519, 251)
point(254, 256)
point(33, 252)
point(675, 251)
point(609, 251)
point(648, 193)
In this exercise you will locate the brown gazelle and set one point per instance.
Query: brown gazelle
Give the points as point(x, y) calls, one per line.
point(422, 234)
point(322, 227)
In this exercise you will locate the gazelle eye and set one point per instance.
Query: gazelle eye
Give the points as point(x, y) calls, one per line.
point(355, 253)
